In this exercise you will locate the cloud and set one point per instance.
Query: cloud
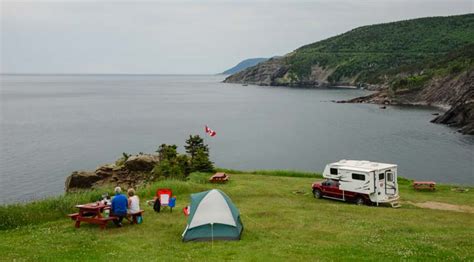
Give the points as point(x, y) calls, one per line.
point(181, 36)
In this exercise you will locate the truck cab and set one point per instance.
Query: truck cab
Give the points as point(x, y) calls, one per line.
point(329, 188)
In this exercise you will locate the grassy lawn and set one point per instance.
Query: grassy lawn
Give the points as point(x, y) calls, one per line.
point(282, 221)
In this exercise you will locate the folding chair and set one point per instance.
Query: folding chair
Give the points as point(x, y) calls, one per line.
point(164, 196)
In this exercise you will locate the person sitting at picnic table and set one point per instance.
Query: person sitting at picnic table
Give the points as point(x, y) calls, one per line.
point(133, 202)
point(119, 206)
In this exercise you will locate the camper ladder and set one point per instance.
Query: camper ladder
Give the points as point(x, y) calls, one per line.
point(395, 204)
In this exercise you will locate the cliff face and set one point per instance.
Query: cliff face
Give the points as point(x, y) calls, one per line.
point(263, 74)
point(440, 91)
point(275, 72)
point(455, 91)
point(461, 114)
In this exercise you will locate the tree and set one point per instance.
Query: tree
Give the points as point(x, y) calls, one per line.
point(167, 152)
point(171, 164)
point(193, 144)
point(184, 163)
point(201, 162)
point(199, 154)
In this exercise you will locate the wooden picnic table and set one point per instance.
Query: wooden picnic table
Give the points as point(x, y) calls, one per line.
point(219, 178)
point(92, 213)
point(429, 185)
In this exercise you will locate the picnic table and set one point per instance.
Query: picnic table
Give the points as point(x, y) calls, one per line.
point(219, 178)
point(92, 213)
point(429, 185)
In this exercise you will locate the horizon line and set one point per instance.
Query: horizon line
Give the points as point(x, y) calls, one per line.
point(111, 74)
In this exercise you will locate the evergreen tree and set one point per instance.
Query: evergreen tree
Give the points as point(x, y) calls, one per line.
point(193, 144)
point(167, 152)
point(201, 162)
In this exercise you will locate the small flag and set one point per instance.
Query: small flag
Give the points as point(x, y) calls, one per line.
point(209, 131)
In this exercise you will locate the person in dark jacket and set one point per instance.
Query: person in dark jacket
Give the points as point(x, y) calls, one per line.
point(119, 206)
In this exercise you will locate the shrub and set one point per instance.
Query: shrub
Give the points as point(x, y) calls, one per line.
point(171, 164)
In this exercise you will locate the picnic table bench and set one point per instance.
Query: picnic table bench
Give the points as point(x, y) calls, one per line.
point(135, 216)
point(219, 178)
point(429, 185)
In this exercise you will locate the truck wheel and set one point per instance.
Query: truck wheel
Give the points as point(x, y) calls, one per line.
point(317, 193)
point(360, 201)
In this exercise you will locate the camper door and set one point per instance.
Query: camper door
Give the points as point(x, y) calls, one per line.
point(390, 183)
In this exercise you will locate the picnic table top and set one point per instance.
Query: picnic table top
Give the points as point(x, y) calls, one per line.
point(219, 175)
point(92, 206)
point(424, 182)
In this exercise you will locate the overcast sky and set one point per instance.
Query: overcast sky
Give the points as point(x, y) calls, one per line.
point(181, 37)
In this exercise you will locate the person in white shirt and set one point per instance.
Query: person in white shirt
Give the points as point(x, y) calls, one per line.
point(133, 202)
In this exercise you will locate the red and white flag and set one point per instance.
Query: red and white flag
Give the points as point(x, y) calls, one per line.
point(209, 131)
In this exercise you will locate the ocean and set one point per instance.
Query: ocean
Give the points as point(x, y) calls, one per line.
point(52, 125)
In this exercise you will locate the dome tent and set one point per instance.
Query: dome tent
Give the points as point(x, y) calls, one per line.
point(212, 216)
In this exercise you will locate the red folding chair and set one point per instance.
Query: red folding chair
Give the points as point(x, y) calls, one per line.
point(164, 196)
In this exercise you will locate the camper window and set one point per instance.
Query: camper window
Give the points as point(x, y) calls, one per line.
point(381, 176)
point(333, 171)
point(390, 177)
point(358, 176)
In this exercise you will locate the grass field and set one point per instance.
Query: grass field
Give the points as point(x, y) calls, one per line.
point(282, 221)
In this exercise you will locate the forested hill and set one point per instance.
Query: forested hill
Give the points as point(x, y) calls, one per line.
point(418, 58)
point(365, 55)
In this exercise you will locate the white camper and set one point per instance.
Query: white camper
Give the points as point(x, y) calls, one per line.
point(377, 181)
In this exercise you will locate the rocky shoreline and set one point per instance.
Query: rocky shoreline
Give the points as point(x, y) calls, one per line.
point(455, 94)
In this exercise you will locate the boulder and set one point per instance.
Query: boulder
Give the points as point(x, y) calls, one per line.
point(81, 180)
point(107, 171)
point(141, 163)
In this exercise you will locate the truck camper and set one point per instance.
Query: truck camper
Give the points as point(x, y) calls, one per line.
point(362, 182)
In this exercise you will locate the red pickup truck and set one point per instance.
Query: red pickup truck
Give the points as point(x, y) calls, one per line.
point(329, 188)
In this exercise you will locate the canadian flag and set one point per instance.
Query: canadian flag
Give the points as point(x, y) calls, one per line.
point(209, 131)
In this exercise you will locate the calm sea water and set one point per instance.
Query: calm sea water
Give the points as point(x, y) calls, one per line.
point(53, 125)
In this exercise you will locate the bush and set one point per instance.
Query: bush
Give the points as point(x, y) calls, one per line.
point(171, 164)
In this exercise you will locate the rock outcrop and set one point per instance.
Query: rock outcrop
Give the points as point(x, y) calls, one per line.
point(274, 72)
point(133, 172)
point(263, 74)
point(461, 114)
point(81, 180)
point(143, 163)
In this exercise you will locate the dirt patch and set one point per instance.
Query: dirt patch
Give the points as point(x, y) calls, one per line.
point(443, 206)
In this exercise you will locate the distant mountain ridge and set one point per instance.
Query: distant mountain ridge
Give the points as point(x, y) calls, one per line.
point(411, 61)
point(244, 65)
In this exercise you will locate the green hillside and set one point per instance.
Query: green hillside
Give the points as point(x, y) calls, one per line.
point(371, 52)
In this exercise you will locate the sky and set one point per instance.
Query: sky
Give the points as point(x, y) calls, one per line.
point(181, 37)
